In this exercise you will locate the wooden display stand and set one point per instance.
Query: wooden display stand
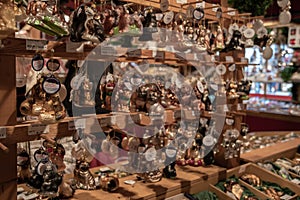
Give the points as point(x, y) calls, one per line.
point(264, 174)
point(8, 98)
point(189, 179)
point(236, 111)
point(282, 149)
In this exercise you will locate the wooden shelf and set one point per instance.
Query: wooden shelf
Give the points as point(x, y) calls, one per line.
point(93, 123)
point(273, 115)
point(17, 47)
point(282, 149)
point(189, 179)
point(208, 9)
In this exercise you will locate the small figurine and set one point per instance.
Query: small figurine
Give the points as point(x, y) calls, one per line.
point(235, 42)
point(153, 96)
point(108, 23)
point(109, 87)
point(203, 39)
point(87, 88)
point(219, 40)
point(83, 176)
point(52, 180)
point(124, 19)
point(23, 162)
point(179, 27)
point(231, 88)
point(170, 171)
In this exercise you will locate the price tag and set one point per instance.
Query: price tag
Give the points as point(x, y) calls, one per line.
point(216, 8)
point(2, 132)
point(113, 120)
point(244, 60)
point(134, 53)
point(181, 1)
point(71, 126)
point(108, 51)
point(232, 13)
point(286, 197)
point(80, 123)
point(160, 55)
point(36, 45)
point(180, 56)
point(229, 59)
point(200, 5)
point(74, 47)
point(129, 182)
point(297, 181)
point(36, 129)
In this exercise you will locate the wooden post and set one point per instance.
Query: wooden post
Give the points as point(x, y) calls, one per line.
point(8, 98)
point(224, 3)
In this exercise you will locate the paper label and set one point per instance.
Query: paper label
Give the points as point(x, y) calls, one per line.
point(216, 8)
point(244, 60)
point(134, 53)
point(297, 181)
point(181, 1)
point(71, 126)
point(36, 45)
point(231, 13)
point(160, 55)
point(74, 47)
point(286, 197)
point(108, 50)
point(200, 4)
point(113, 120)
point(229, 59)
point(80, 123)
point(2, 132)
point(180, 56)
point(36, 129)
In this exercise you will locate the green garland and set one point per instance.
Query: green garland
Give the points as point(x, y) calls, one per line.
point(257, 8)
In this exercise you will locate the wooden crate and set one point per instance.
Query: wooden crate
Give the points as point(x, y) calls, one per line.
point(265, 175)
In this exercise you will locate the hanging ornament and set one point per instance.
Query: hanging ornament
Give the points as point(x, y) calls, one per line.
point(37, 62)
point(51, 85)
point(198, 13)
point(285, 17)
point(267, 53)
point(219, 13)
point(164, 5)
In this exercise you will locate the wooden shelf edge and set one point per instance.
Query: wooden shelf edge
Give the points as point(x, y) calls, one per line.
point(272, 152)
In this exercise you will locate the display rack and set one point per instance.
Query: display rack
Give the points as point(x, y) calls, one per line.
point(14, 132)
